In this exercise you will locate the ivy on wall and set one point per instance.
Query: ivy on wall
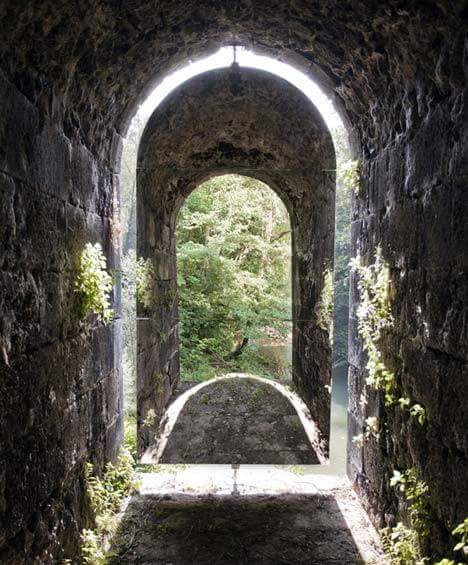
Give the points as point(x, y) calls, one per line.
point(375, 317)
point(404, 543)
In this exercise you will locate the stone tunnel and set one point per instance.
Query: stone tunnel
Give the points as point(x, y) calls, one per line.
point(72, 76)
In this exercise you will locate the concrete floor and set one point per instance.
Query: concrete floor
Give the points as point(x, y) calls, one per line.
point(239, 420)
point(240, 513)
point(325, 526)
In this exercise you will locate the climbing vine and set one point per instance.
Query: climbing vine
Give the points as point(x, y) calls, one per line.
point(94, 284)
point(404, 543)
point(374, 318)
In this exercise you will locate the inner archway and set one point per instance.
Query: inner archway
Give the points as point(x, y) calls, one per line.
point(250, 123)
point(234, 250)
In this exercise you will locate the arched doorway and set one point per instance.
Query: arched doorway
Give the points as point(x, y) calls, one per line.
point(245, 122)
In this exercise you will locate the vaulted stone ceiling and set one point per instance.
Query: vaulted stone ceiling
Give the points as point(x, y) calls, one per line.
point(102, 56)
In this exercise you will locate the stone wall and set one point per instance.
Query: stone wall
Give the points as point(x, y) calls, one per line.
point(414, 206)
point(396, 72)
point(60, 384)
point(254, 124)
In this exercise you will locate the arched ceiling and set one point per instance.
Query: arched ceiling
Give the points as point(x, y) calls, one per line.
point(247, 122)
point(237, 120)
point(93, 60)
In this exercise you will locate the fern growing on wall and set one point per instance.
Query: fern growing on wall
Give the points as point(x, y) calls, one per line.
point(94, 284)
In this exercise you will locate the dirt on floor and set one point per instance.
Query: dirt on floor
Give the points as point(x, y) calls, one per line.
point(238, 421)
point(328, 528)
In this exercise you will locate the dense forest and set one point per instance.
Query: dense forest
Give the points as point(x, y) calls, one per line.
point(234, 266)
point(233, 261)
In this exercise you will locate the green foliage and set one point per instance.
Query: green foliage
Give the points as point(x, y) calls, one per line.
point(130, 436)
point(416, 494)
point(418, 412)
point(374, 317)
point(94, 284)
point(348, 174)
point(233, 239)
point(144, 283)
point(461, 531)
point(150, 419)
point(404, 403)
point(325, 310)
point(358, 440)
point(372, 429)
point(93, 550)
point(402, 545)
point(105, 495)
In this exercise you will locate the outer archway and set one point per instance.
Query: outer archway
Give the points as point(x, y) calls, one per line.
point(251, 123)
point(71, 77)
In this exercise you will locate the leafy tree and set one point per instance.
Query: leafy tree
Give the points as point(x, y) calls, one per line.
point(233, 242)
point(342, 253)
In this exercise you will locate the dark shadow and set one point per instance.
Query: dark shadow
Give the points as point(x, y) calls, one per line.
point(182, 530)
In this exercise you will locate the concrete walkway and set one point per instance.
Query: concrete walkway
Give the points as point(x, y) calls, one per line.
point(326, 526)
point(237, 420)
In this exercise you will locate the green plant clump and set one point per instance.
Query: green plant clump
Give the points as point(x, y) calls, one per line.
point(325, 311)
point(145, 276)
point(416, 494)
point(348, 175)
point(94, 284)
point(105, 495)
point(404, 543)
point(461, 531)
point(401, 544)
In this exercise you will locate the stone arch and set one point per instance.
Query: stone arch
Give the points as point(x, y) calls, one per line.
point(248, 122)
